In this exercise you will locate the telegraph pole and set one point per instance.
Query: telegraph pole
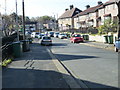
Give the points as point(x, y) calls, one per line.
point(5, 7)
point(23, 19)
point(17, 22)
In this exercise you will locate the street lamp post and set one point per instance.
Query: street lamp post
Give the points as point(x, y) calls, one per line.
point(23, 20)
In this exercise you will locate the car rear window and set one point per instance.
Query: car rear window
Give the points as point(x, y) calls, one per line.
point(77, 35)
point(46, 38)
point(62, 34)
point(51, 32)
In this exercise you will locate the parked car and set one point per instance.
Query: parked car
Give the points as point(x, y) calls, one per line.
point(46, 40)
point(27, 33)
point(56, 34)
point(117, 45)
point(35, 34)
point(42, 35)
point(76, 38)
point(62, 36)
point(51, 34)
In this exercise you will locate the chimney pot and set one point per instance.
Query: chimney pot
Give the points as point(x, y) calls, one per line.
point(100, 3)
point(87, 6)
point(66, 9)
point(71, 6)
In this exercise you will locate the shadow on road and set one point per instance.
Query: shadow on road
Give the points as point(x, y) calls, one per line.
point(31, 78)
point(64, 57)
point(59, 44)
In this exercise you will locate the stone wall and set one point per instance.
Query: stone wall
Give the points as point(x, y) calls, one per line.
point(101, 38)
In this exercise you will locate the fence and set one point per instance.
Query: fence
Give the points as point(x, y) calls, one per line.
point(6, 48)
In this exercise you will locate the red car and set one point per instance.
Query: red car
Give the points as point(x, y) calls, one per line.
point(76, 38)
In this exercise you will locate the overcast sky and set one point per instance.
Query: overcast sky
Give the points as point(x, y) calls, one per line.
point(34, 8)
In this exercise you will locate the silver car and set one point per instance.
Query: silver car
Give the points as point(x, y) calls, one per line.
point(46, 40)
point(62, 36)
point(117, 45)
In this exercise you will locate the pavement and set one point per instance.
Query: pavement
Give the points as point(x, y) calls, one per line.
point(100, 45)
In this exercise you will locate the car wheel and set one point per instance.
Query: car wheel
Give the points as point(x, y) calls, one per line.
point(116, 50)
point(73, 41)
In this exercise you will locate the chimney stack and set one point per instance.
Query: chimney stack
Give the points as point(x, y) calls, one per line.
point(87, 6)
point(71, 6)
point(66, 9)
point(100, 3)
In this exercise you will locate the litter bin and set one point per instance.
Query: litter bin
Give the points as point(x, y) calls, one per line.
point(17, 49)
point(86, 37)
point(68, 35)
point(106, 38)
point(110, 39)
point(30, 40)
point(25, 45)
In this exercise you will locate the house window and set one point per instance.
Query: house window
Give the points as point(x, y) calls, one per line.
point(107, 8)
point(113, 6)
point(90, 14)
point(107, 17)
point(102, 11)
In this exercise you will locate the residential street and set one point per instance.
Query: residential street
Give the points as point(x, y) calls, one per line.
point(91, 67)
point(97, 68)
point(65, 45)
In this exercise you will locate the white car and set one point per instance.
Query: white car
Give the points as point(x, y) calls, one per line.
point(62, 36)
point(117, 45)
point(46, 40)
point(56, 34)
point(35, 34)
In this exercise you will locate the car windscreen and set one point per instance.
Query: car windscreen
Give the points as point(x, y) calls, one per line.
point(56, 33)
point(46, 38)
point(37, 33)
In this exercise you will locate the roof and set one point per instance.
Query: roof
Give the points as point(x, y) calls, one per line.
point(110, 2)
point(89, 10)
point(69, 13)
point(107, 3)
point(117, 1)
point(93, 9)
